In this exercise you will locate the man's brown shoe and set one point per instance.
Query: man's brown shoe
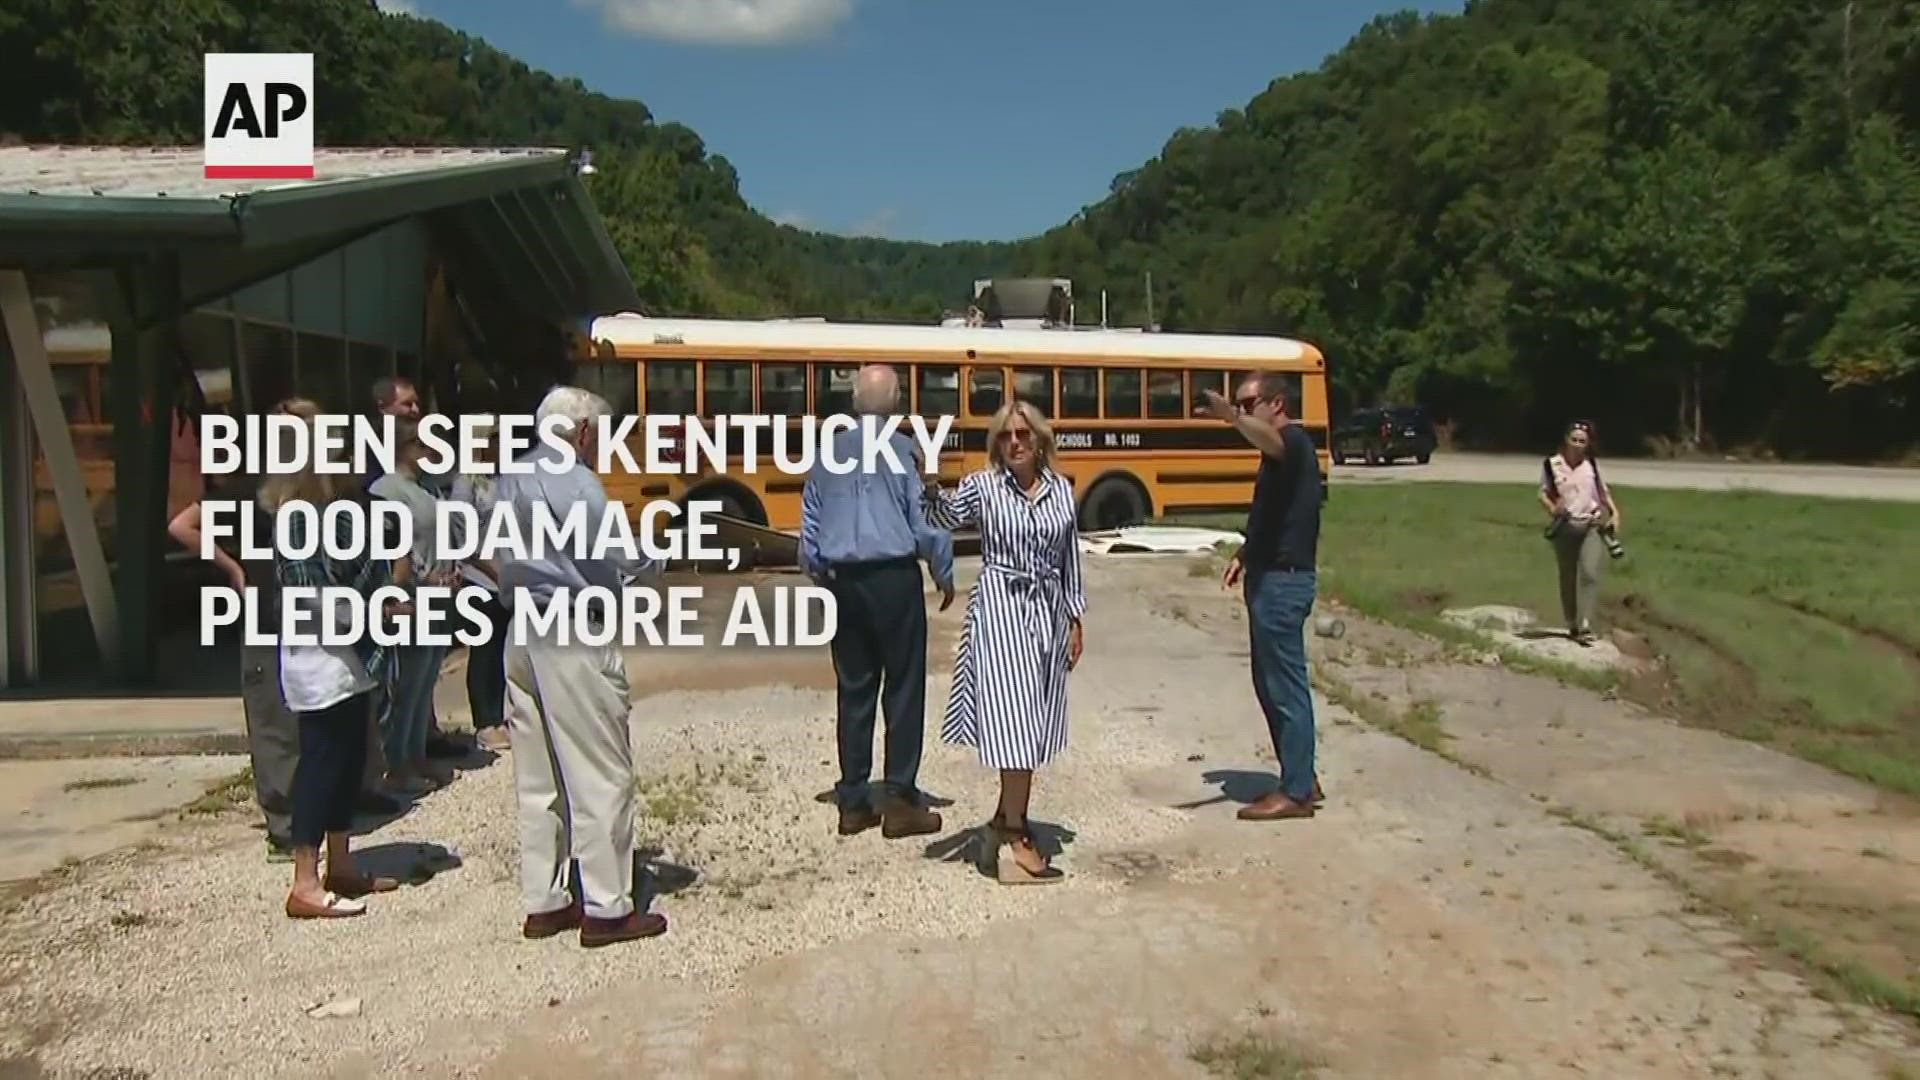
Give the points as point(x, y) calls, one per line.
point(1275, 807)
point(549, 923)
point(901, 819)
point(596, 933)
point(855, 822)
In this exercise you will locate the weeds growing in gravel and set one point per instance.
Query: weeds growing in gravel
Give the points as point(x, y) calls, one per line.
point(1254, 1056)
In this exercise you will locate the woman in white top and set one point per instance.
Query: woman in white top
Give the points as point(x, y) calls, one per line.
point(1584, 525)
point(330, 689)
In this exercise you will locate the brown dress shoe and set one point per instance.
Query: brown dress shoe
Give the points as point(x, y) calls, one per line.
point(596, 933)
point(855, 822)
point(1275, 807)
point(900, 819)
point(549, 923)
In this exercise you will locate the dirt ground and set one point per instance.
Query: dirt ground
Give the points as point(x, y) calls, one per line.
point(1475, 917)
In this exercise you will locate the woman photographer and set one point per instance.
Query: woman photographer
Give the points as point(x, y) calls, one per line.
point(1583, 526)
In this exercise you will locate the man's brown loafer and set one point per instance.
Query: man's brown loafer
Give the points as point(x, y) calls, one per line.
point(598, 933)
point(550, 923)
point(1275, 807)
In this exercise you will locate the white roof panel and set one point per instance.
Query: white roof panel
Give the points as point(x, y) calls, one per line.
point(637, 330)
point(179, 171)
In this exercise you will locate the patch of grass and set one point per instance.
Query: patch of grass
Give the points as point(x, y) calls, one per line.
point(1789, 620)
point(1252, 1056)
point(1420, 723)
point(98, 783)
point(1674, 830)
point(127, 920)
point(234, 791)
point(673, 799)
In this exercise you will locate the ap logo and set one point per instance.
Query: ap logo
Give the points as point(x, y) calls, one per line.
point(259, 116)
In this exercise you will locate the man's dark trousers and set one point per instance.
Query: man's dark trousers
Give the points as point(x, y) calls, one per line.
point(880, 658)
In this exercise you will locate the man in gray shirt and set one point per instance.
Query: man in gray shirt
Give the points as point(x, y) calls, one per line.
point(573, 755)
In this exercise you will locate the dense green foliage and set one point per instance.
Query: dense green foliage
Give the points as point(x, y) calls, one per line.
point(1690, 220)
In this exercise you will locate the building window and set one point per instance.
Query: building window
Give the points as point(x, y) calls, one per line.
point(267, 352)
point(1166, 396)
point(366, 365)
point(986, 388)
point(1079, 393)
point(671, 390)
point(1035, 386)
point(783, 389)
point(938, 391)
point(1122, 394)
point(729, 389)
point(321, 374)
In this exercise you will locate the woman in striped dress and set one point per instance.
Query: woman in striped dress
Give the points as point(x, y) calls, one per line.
point(1022, 633)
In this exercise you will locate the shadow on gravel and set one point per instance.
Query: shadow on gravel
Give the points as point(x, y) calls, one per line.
point(412, 862)
point(1236, 785)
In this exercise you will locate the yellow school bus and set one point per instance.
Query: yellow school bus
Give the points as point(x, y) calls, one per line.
point(1122, 403)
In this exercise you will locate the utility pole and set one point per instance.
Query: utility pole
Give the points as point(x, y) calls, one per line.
point(1149, 326)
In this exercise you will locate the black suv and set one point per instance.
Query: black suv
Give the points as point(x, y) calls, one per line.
point(1379, 436)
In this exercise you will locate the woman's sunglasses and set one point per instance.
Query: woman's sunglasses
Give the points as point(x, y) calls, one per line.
point(1021, 435)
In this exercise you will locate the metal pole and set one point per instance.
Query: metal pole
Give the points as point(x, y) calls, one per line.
point(19, 603)
point(1149, 326)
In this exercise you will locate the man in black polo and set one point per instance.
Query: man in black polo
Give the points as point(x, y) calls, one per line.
point(1276, 565)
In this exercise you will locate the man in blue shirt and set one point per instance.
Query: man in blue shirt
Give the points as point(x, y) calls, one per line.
point(862, 535)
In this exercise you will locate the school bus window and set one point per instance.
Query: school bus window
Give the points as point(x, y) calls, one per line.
point(1080, 393)
point(1166, 397)
point(904, 374)
point(1035, 386)
point(833, 388)
point(671, 390)
point(1215, 381)
point(618, 383)
point(1122, 394)
point(938, 391)
point(621, 387)
point(985, 389)
point(783, 389)
point(729, 389)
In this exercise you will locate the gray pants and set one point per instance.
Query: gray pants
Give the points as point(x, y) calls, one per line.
point(573, 773)
point(273, 738)
point(1581, 553)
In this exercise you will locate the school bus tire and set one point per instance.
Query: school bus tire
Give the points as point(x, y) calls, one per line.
point(1114, 501)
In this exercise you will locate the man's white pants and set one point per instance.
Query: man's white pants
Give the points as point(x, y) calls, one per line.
point(573, 771)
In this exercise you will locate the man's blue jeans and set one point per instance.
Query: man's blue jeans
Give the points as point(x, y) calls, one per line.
point(1278, 603)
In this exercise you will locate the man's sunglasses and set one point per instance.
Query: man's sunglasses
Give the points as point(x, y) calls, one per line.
point(1249, 403)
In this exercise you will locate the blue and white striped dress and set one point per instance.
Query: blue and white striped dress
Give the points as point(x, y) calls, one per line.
point(1009, 698)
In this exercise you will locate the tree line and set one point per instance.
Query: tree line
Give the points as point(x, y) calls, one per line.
point(1694, 222)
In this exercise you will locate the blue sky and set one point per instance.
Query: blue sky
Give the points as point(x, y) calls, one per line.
point(924, 119)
